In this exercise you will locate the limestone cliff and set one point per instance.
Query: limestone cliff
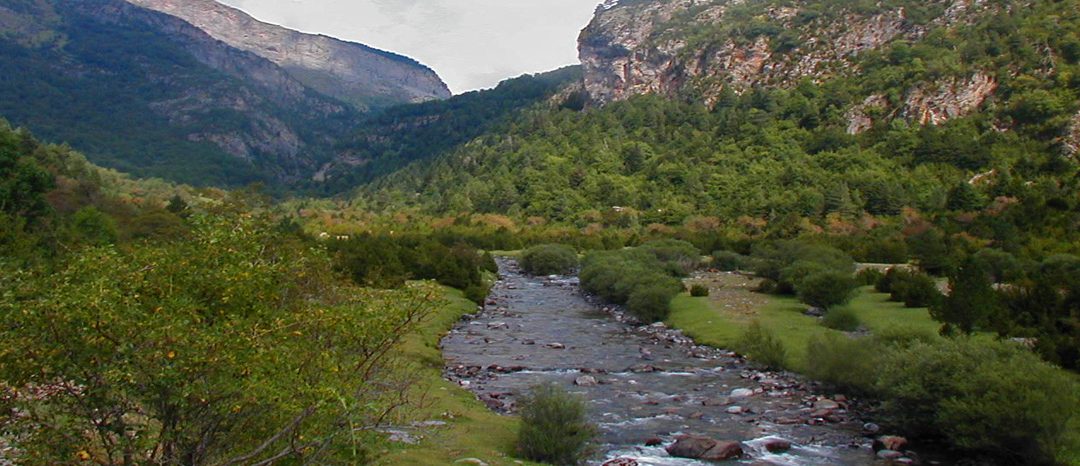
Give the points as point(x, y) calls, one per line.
point(699, 49)
point(354, 73)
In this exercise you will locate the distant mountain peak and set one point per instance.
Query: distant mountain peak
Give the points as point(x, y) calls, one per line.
point(362, 76)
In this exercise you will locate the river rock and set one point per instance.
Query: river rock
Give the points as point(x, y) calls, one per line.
point(644, 368)
point(711, 402)
point(472, 461)
point(586, 381)
point(889, 454)
point(621, 462)
point(655, 441)
point(890, 442)
point(826, 405)
point(871, 429)
point(736, 410)
point(742, 393)
point(776, 445)
point(556, 346)
point(704, 448)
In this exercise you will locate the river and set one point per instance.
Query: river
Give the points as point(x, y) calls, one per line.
point(643, 384)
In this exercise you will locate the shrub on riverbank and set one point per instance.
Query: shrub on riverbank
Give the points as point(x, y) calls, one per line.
point(553, 427)
point(636, 277)
point(699, 291)
point(826, 289)
point(983, 396)
point(843, 319)
point(549, 259)
point(759, 345)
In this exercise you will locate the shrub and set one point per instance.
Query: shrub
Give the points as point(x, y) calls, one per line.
point(549, 259)
point(728, 261)
point(676, 257)
point(759, 345)
point(826, 289)
point(869, 276)
point(841, 318)
point(842, 362)
point(914, 289)
point(766, 286)
point(651, 303)
point(553, 427)
point(699, 291)
point(987, 396)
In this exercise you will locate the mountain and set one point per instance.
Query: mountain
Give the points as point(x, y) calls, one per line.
point(150, 94)
point(386, 141)
point(354, 73)
point(770, 109)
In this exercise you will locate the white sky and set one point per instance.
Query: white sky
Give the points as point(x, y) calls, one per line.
point(472, 44)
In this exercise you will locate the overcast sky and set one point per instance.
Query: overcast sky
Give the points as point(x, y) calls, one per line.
point(472, 44)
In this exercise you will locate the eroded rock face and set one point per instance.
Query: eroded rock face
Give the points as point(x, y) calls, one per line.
point(1072, 138)
point(354, 73)
point(698, 49)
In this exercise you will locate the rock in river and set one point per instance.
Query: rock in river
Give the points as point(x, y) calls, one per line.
point(704, 448)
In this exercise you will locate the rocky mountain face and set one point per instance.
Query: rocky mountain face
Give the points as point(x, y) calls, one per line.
point(702, 48)
point(354, 73)
point(154, 95)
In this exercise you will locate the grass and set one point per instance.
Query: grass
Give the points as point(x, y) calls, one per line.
point(472, 431)
point(707, 322)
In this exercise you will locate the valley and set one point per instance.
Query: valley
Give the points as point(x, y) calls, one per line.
point(755, 232)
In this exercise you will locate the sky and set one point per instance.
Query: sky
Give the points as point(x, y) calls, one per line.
point(472, 44)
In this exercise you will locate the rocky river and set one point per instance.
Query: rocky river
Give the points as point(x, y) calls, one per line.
point(645, 385)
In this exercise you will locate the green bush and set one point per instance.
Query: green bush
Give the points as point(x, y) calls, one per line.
point(985, 396)
point(869, 276)
point(841, 318)
point(699, 291)
point(842, 362)
point(914, 289)
point(826, 289)
point(549, 259)
point(651, 303)
point(759, 345)
point(553, 427)
point(728, 261)
point(676, 257)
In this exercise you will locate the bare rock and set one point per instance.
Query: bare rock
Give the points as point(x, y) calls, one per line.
point(704, 448)
point(586, 381)
point(890, 442)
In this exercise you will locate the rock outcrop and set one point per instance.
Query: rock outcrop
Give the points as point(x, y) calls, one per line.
point(699, 49)
point(354, 73)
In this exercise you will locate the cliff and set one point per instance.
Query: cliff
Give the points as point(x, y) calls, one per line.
point(700, 49)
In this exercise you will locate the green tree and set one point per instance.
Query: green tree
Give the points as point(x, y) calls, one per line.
point(970, 301)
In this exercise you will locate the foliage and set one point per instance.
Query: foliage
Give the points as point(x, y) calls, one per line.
point(911, 287)
point(841, 318)
point(869, 276)
point(549, 259)
point(826, 290)
point(635, 277)
point(970, 302)
point(985, 396)
point(385, 261)
point(728, 261)
point(554, 428)
point(237, 345)
point(699, 290)
point(761, 346)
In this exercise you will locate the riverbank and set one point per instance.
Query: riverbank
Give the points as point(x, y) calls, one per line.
point(720, 320)
point(450, 424)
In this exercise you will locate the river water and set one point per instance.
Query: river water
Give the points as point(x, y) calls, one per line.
point(652, 383)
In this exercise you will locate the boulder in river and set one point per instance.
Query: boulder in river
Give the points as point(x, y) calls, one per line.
point(621, 462)
point(826, 404)
point(704, 448)
point(655, 441)
point(742, 393)
point(586, 381)
point(776, 445)
point(556, 346)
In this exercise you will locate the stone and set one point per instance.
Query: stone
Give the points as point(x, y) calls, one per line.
point(586, 381)
point(889, 454)
point(715, 402)
point(890, 442)
point(556, 346)
point(871, 429)
point(697, 415)
point(653, 442)
point(776, 445)
point(643, 368)
point(736, 410)
point(742, 393)
point(704, 448)
point(815, 312)
point(826, 405)
point(621, 462)
point(472, 461)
